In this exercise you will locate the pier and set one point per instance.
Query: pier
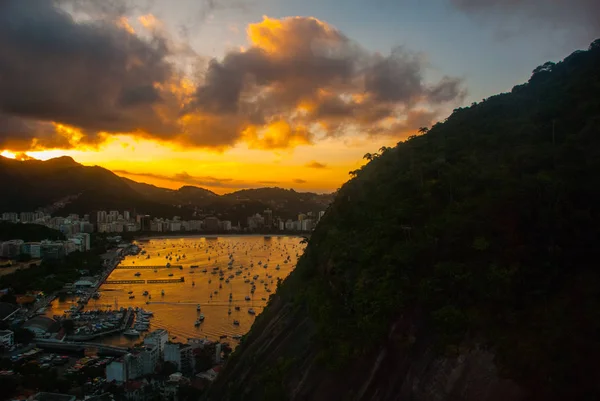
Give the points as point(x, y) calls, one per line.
point(125, 282)
point(150, 267)
point(166, 280)
point(157, 281)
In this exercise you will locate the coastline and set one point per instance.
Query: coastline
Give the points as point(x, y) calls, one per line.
point(146, 237)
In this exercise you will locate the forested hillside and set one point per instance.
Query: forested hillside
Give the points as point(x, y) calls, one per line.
point(459, 265)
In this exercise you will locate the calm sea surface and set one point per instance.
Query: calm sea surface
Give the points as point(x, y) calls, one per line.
point(176, 309)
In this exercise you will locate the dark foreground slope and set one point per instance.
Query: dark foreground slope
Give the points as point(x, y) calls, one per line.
point(459, 265)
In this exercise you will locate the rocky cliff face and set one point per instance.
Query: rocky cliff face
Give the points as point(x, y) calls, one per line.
point(392, 371)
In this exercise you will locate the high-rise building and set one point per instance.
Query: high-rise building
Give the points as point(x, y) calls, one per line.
point(306, 225)
point(101, 217)
point(11, 217)
point(211, 224)
point(145, 223)
point(181, 355)
point(268, 216)
point(126, 215)
point(27, 217)
point(159, 338)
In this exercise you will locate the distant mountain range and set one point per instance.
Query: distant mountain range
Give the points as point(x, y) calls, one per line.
point(61, 186)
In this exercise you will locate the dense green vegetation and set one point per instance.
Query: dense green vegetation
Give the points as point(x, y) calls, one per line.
point(480, 231)
point(52, 275)
point(28, 232)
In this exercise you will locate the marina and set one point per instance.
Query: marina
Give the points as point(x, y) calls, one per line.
point(222, 285)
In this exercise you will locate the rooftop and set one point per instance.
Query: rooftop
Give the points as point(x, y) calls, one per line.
point(53, 397)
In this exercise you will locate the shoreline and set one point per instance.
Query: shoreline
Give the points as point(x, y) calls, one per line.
point(197, 235)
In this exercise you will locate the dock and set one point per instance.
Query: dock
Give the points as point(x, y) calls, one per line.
point(131, 267)
point(157, 281)
point(125, 282)
point(166, 280)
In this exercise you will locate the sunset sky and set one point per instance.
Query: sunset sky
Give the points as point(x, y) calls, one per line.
point(230, 94)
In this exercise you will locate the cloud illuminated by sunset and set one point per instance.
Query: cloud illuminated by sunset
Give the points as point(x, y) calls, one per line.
point(125, 101)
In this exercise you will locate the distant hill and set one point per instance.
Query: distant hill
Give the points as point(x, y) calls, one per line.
point(62, 186)
point(189, 195)
point(65, 186)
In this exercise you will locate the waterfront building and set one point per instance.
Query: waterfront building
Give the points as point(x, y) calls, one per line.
point(306, 225)
point(289, 225)
point(7, 338)
point(181, 355)
point(268, 218)
point(42, 326)
point(149, 357)
point(85, 282)
point(198, 342)
point(158, 338)
point(211, 224)
point(218, 350)
point(226, 225)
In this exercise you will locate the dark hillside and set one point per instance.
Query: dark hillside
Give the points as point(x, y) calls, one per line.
point(459, 265)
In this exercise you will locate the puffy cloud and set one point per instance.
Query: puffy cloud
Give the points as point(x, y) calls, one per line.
point(304, 77)
point(316, 164)
point(574, 16)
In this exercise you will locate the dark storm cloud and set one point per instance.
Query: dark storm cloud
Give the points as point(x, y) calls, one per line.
point(575, 16)
point(22, 134)
point(91, 75)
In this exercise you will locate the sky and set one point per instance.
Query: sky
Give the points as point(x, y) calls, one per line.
point(231, 94)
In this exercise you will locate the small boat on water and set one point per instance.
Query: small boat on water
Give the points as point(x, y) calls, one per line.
point(198, 307)
point(193, 266)
point(193, 283)
point(170, 274)
point(131, 296)
point(162, 292)
point(131, 333)
point(236, 337)
point(251, 311)
point(137, 274)
point(145, 293)
point(236, 322)
point(247, 298)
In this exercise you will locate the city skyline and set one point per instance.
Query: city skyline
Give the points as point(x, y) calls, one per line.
point(169, 115)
